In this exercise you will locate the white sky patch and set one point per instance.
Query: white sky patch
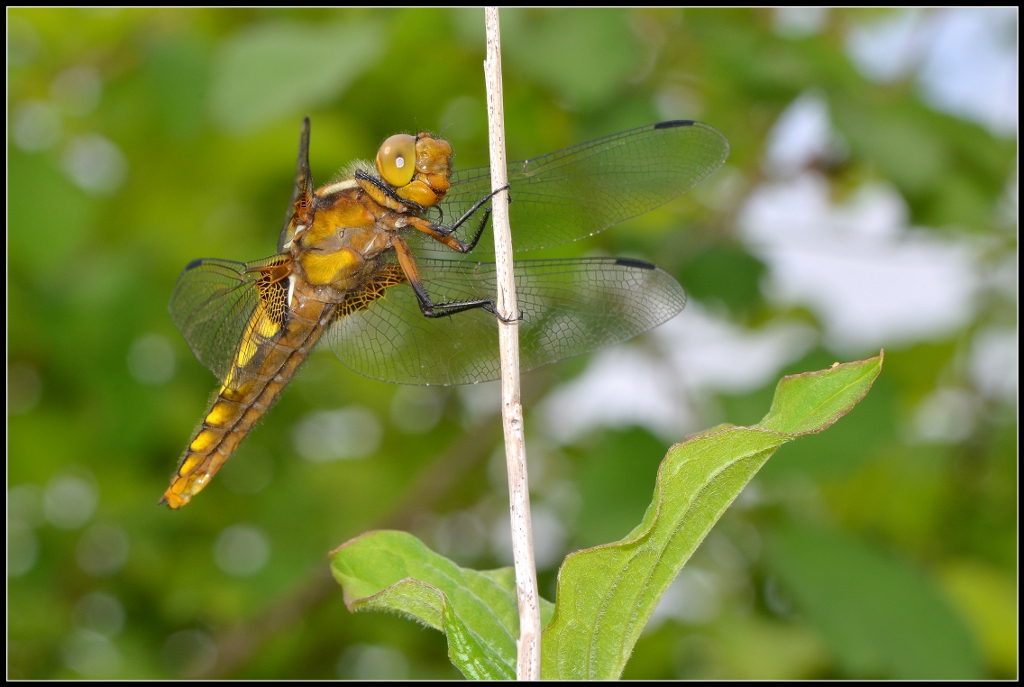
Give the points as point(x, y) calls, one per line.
point(966, 59)
point(870, 279)
point(970, 69)
point(697, 353)
point(994, 362)
point(622, 387)
point(549, 537)
point(797, 22)
point(802, 134)
point(693, 598)
point(946, 416)
point(887, 49)
point(710, 354)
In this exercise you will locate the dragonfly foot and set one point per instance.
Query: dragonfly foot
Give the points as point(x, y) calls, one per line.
point(501, 318)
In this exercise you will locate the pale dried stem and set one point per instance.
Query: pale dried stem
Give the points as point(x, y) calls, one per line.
point(528, 645)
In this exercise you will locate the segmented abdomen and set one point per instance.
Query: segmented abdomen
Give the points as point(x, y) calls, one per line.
point(234, 412)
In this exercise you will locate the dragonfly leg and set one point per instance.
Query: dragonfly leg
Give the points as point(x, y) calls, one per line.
point(479, 230)
point(444, 236)
point(384, 190)
point(445, 233)
point(507, 320)
point(428, 307)
point(472, 211)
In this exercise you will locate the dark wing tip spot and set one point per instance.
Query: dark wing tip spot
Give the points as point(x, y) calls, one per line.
point(630, 262)
point(194, 264)
point(674, 123)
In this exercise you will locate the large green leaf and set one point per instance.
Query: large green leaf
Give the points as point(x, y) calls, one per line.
point(606, 594)
point(477, 611)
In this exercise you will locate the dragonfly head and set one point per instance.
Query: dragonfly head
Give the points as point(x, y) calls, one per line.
point(416, 167)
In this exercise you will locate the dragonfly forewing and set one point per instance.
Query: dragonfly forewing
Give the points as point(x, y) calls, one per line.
point(578, 191)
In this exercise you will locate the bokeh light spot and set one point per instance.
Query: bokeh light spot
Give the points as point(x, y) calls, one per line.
point(99, 612)
point(23, 388)
point(151, 359)
point(25, 503)
point(95, 164)
point(22, 548)
point(103, 550)
point(77, 90)
point(36, 125)
point(342, 434)
point(241, 550)
point(417, 409)
point(91, 655)
point(69, 501)
point(189, 654)
point(372, 662)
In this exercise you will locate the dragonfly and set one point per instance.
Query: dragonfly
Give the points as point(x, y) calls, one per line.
point(359, 265)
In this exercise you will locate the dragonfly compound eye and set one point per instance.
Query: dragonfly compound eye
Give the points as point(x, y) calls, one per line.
point(396, 159)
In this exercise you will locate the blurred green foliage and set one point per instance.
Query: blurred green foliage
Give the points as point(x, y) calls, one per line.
point(141, 139)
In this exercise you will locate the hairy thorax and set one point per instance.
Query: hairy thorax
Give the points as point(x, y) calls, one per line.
point(342, 247)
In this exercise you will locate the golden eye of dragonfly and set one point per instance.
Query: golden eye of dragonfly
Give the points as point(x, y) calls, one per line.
point(396, 159)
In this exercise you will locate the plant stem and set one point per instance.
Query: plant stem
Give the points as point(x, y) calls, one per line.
point(528, 644)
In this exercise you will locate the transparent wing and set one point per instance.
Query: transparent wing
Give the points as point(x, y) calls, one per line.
point(572, 193)
point(569, 307)
point(231, 313)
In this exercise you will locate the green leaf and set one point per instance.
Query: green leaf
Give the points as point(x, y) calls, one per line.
point(477, 611)
point(606, 594)
point(272, 71)
point(810, 402)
